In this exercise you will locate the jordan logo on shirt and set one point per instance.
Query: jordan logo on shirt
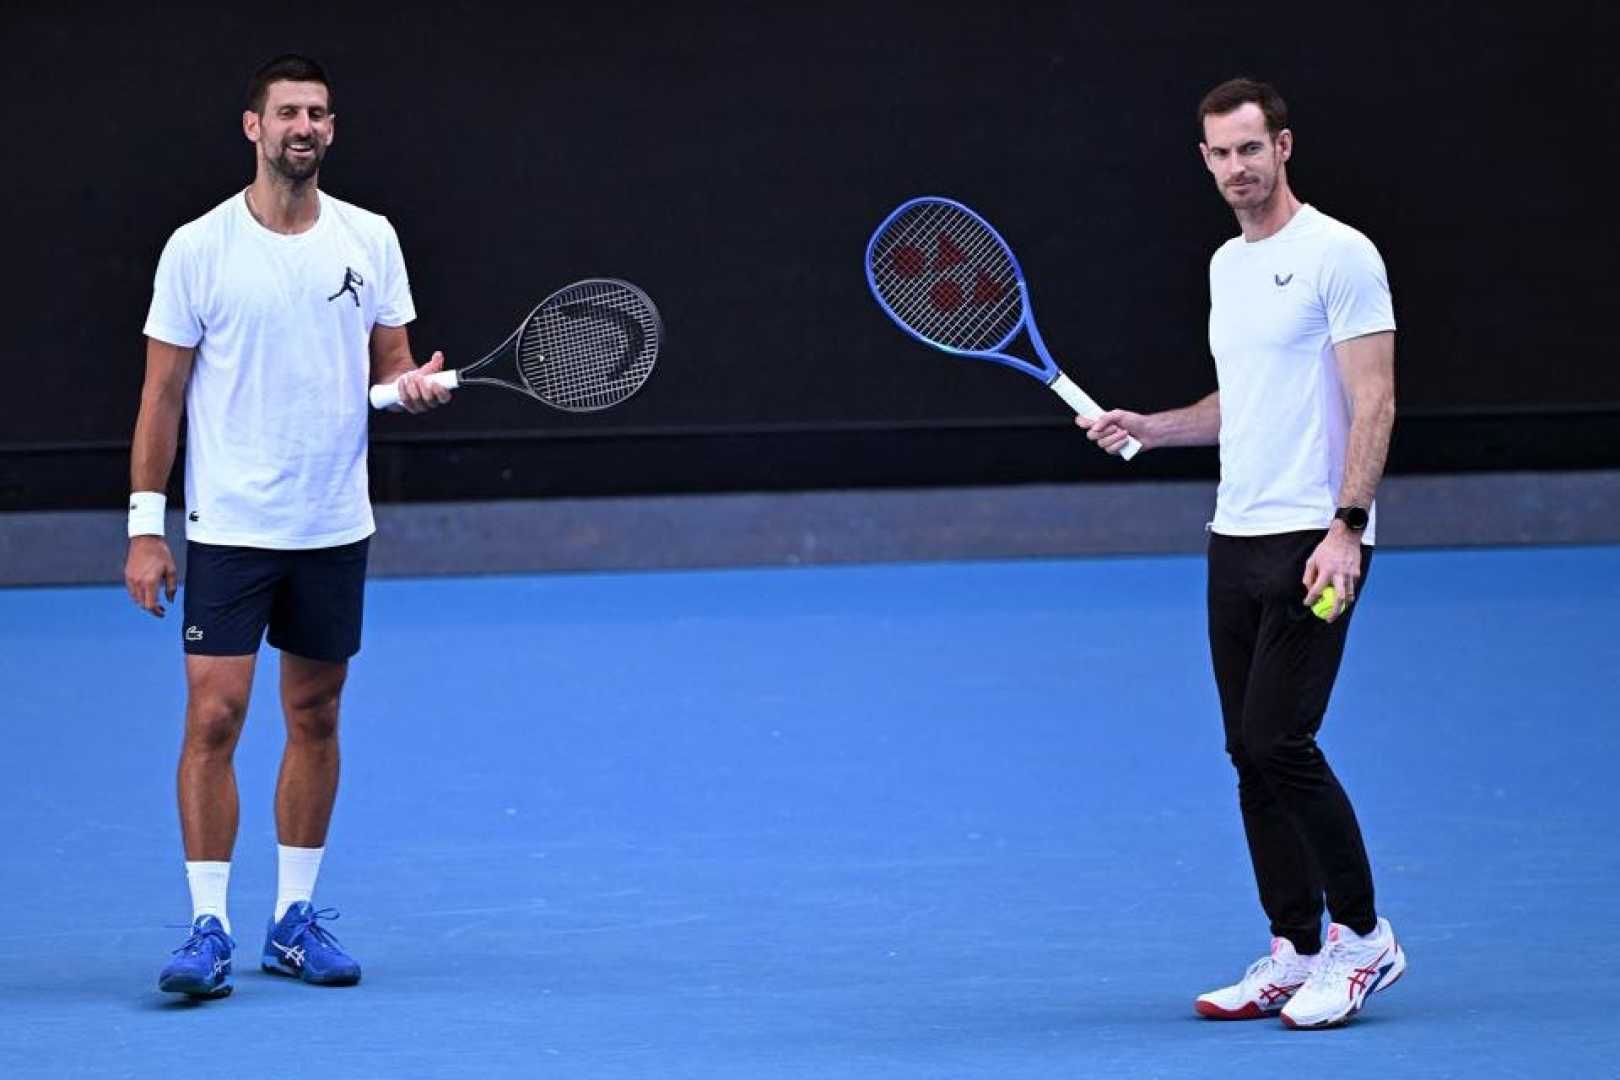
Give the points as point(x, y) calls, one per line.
point(350, 280)
point(1278, 278)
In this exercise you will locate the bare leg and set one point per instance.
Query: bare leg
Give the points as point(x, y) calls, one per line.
point(216, 704)
point(307, 786)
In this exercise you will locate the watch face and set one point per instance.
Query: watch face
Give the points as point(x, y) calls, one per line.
point(1353, 516)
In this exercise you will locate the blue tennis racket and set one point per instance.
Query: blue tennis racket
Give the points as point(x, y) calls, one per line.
point(949, 280)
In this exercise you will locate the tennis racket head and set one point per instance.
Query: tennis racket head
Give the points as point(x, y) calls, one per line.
point(947, 278)
point(590, 345)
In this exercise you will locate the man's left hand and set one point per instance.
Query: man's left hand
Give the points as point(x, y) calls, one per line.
point(417, 392)
point(1336, 562)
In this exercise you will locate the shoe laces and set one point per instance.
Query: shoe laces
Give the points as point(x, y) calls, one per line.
point(1262, 968)
point(1336, 960)
point(1272, 969)
point(199, 937)
point(1267, 969)
point(311, 927)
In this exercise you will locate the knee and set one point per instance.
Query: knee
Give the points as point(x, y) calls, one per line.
point(1243, 760)
point(313, 717)
point(214, 722)
point(1281, 756)
point(1251, 781)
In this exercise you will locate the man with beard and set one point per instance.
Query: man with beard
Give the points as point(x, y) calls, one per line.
point(271, 316)
point(1303, 334)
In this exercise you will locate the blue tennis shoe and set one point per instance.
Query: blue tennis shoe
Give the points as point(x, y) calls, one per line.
point(300, 947)
point(201, 967)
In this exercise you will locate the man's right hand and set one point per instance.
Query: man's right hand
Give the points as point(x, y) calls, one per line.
point(1114, 428)
point(148, 567)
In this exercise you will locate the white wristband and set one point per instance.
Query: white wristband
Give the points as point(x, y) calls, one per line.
point(146, 513)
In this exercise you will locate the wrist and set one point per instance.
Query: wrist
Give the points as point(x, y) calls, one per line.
point(146, 510)
point(1352, 518)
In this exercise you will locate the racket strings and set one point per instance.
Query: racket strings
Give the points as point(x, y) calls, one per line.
point(590, 346)
point(948, 278)
point(963, 247)
point(996, 318)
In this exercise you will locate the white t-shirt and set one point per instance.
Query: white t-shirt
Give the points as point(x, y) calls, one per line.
point(1277, 308)
point(276, 408)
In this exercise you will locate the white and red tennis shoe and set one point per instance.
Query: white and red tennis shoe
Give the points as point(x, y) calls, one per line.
point(1348, 971)
point(1264, 989)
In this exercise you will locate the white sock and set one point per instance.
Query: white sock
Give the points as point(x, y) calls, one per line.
point(297, 868)
point(209, 882)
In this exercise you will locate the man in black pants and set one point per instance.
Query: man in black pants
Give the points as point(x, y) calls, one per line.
point(1303, 334)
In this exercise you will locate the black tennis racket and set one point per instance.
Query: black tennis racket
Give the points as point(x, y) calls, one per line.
point(586, 347)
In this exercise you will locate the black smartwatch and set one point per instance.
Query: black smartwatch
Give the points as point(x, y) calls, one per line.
point(1354, 517)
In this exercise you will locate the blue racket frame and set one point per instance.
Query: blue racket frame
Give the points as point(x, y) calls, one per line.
point(1047, 370)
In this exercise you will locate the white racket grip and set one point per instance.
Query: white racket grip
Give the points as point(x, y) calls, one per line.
point(1083, 405)
point(386, 395)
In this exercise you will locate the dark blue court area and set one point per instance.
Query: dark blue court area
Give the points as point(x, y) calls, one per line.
point(933, 820)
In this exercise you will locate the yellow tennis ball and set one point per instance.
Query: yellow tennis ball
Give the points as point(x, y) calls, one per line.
point(1324, 603)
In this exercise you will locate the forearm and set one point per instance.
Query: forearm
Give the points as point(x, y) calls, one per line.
point(1199, 424)
point(1372, 420)
point(157, 426)
point(385, 369)
point(157, 433)
point(1367, 371)
point(391, 360)
point(149, 570)
point(391, 354)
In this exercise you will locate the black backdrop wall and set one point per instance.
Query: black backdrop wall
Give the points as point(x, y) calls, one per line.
point(732, 161)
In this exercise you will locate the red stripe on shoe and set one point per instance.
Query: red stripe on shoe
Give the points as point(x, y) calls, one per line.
point(1211, 1011)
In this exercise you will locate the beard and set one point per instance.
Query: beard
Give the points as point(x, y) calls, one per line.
point(298, 170)
point(1255, 193)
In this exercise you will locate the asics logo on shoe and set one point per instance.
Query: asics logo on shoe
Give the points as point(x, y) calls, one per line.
point(294, 954)
point(1272, 993)
point(1364, 980)
point(222, 964)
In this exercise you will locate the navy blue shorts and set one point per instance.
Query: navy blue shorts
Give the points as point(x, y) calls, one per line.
point(311, 601)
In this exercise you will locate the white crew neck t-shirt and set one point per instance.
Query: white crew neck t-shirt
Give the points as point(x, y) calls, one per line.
point(276, 408)
point(1277, 308)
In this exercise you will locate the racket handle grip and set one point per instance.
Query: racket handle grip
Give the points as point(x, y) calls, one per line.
point(386, 395)
point(1083, 405)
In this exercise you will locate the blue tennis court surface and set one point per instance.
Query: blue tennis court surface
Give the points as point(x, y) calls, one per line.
point(947, 820)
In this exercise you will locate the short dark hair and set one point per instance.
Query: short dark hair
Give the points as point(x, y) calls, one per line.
point(1235, 93)
point(288, 67)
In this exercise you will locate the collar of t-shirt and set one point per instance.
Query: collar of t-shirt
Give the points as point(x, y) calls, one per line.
point(265, 232)
point(1302, 217)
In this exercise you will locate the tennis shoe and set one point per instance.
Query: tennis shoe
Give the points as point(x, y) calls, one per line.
point(201, 967)
point(1265, 988)
point(1348, 971)
point(300, 947)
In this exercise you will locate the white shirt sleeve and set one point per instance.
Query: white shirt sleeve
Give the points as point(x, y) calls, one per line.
point(173, 315)
point(394, 305)
point(1355, 290)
